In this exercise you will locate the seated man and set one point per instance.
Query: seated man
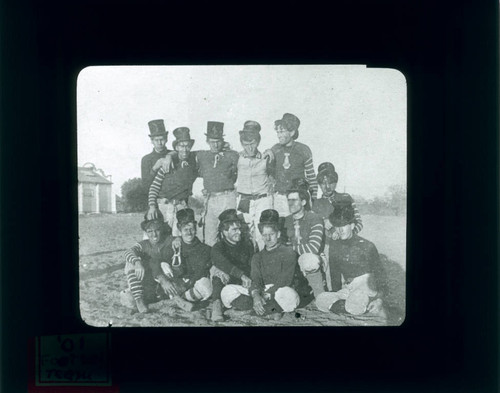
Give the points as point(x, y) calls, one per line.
point(143, 289)
point(231, 257)
point(273, 273)
point(304, 230)
point(185, 268)
point(354, 266)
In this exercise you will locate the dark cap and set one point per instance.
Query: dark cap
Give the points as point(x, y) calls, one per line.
point(342, 215)
point(326, 166)
point(185, 216)
point(215, 130)
point(157, 221)
point(182, 135)
point(327, 174)
point(157, 128)
point(269, 216)
point(299, 184)
point(230, 215)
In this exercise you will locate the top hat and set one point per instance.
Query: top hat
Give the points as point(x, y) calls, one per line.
point(215, 130)
point(185, 216)
point(250, 131)
point(229, 215)
point(156, 221)
point(269, 216)
point(182, 135)
point(342, 215)
point(157, 128)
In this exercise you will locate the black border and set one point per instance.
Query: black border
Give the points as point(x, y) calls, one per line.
point(448, 52)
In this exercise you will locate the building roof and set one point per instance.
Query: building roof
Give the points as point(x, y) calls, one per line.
point(90, 175)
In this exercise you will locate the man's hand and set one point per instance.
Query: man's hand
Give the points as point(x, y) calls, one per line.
point(167, 270)
point(335, 235)
point(158, 164)
point(152, 213)
point(176, 243)
point(139, 270)
point(166, 163)
point(328, 224)
point(268, 154)
point(168, 287)
point(247, 282)
point(258, 304)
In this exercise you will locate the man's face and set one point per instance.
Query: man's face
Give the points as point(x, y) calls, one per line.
point(345, 232)
point(183, 149)
point(295, 204)
point(215, 145)
point(250, 147)
point(270, 236)
point(328, 187)
point(159, 143)
point(188, 232)
point(233, 234)
point(154, 233)
point(284, 136)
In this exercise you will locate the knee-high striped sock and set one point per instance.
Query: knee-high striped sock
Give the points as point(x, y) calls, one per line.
point(134, 285)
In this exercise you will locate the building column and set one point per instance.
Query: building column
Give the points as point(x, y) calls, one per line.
point(113, 200)
point(97, 209)
point(80, 198)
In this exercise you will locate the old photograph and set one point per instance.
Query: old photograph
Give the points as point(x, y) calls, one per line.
point(242, 195)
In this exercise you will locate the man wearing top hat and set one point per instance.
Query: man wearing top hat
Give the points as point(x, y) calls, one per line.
point(218, 167)
point(291, 160)
point(231, 257)
point(152, 162)
point(355, 269)
point(169, 192)
point(186, 267)
point(253, 184)
point(331, 199)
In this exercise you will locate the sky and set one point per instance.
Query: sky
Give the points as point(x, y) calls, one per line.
point(350, 115)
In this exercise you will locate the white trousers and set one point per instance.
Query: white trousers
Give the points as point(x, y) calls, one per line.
point(252, 218)
point(281, 204)
point(356, 294)
point(215, 206)
point(287, 298)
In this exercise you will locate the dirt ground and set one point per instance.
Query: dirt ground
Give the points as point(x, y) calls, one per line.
point(104, 238)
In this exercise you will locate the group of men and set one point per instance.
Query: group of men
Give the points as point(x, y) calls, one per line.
point(269, 245)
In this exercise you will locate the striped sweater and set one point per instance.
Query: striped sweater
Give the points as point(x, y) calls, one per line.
point(144, 252)
point(292, 162)
point(306, 233)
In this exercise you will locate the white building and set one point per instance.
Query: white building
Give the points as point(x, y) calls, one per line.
point(95, 191)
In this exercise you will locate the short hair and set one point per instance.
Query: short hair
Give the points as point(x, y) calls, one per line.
point(181, 224)
point(224, 226)
point(303, 195)
point(261, 227)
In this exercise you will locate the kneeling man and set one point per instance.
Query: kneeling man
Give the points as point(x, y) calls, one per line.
point(272, 271)
point(354, 265)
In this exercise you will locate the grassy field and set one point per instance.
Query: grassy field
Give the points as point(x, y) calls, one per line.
point(104, 238)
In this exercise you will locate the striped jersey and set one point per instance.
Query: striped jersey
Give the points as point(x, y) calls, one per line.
point(292, 162)
point(306, 233)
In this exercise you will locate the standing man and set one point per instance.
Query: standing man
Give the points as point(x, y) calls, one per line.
point(231, 257)
point(331, 199)
point(291, 160)
point(253, 184)
point(218, 168)
point(152, 162)
point(355, 269)
point(169, 192)
point(305, 233)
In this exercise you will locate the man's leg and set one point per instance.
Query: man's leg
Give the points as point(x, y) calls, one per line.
point(287, 298)
point(201, 290)
point(310, 265)
point(215, 206)
point(136, 289)
point(231, 292)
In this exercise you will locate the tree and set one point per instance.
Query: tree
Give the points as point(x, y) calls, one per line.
point(396, 197)
point(135, 196)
